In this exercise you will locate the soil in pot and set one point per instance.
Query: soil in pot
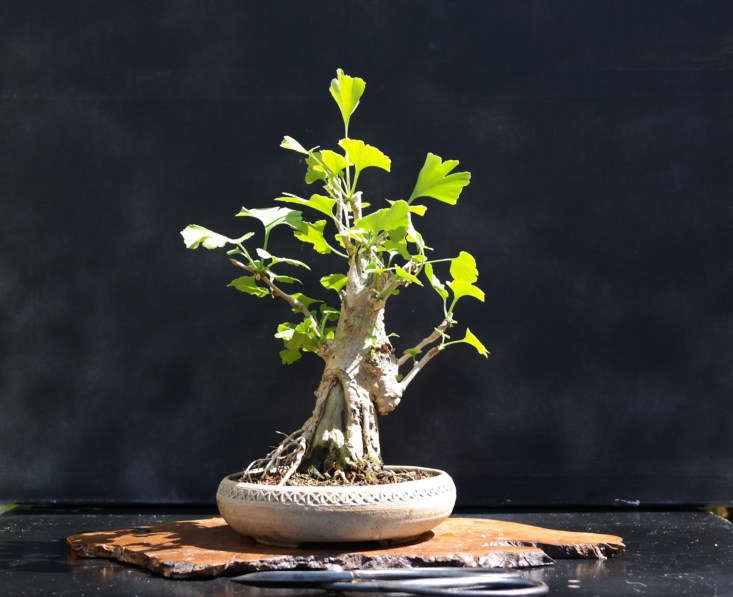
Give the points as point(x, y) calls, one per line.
point(348, 478)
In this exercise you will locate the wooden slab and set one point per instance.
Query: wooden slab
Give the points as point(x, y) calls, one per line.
point(208, 547)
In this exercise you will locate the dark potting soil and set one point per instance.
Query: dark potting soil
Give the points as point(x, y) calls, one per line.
point(350, 478)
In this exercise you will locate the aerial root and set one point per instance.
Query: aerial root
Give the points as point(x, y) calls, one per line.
point(283, 460)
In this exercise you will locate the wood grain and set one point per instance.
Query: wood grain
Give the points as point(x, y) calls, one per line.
point(208, 548)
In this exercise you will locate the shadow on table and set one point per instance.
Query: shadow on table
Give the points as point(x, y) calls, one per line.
point(214, 536)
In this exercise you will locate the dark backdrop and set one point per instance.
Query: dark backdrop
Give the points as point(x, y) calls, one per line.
point(599, 137)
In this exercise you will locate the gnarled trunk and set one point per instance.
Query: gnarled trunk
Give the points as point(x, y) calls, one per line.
point(359, 380)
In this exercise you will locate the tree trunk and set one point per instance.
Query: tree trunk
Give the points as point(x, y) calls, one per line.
point(359, 380)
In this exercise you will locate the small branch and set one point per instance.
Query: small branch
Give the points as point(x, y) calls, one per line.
point(418, 366)
point(437, 333)
point(356, 200)
point(276, 291)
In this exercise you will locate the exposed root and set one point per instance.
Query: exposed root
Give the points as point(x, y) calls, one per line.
point(283, 460)
point(296, 461)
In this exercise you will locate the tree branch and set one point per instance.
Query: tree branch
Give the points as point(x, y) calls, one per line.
point(437, 333)
point(417, 367)
point(276, 291)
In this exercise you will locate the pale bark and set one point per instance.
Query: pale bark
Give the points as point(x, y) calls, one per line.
point(359, 380)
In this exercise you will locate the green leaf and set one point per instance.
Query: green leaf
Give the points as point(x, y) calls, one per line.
point(435, 181)
point(313, 234)
point(395, 217)
point(335, 162)
point(296, 338)
point(195, 236)
point(318, 202)
point(275, 260)
point(347, 91)
point(396, 243)
point(289, 356)
point(469, 338)
point(330, 313)
point(334, 282)
point(416, 209)
point(435, 282)
point(323, 164)
point(363, 156)
point(292, 144)
point(249, 285)
point(273, 216)
point(462, 288)
point(463, 267)
point(464, 272)
point(374, 267)
point(286, 279)
point(285, 331)
point(306, 300)
point(405, 275)
point(314, 171)
point(395, 220)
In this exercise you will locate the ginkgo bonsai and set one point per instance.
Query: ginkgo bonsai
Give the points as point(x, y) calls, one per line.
point(382, 251)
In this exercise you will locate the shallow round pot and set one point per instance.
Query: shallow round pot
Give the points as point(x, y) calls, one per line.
point(291, 515)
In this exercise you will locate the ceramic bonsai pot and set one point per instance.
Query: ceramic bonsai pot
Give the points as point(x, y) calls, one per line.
point(291, 515)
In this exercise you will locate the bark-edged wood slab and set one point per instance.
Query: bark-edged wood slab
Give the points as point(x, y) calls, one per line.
point(208, 548)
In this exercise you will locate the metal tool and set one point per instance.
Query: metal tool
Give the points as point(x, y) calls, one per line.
point(448, 582)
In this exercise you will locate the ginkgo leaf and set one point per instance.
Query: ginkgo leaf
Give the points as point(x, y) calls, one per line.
point(313, 234)
point(435, 181)
point(289, 355)
point(469, 338)
point(462, 288)
point(415, 209)
point(273, 216)
point(298, 337)
point(195, 236)
point(286, 279)
point(318, 202)
point(405, 275)
point(314, 171)
point(306, 300)
point(324, 164)
point(347, 91)
point(435, 281)
point(335, 162)
point(249, 285)
point(292, 144)
point(463, 267)
point(330, 313)
point(334, 282)
point(464, 272)
point(363, 156)
point(275, 260)
point(395, 217)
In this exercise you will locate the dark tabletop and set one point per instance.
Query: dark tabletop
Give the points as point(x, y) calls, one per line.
point(668, 553)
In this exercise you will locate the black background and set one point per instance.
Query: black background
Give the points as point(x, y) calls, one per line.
point(599, 138)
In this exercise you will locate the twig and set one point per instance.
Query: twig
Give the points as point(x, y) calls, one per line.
point(417, 367)
point(437, 333)
point(292, 301)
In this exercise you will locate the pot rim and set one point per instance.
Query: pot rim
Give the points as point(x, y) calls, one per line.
point(439, 475)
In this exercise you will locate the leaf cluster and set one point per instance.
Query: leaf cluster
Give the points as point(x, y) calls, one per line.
point(383, 242)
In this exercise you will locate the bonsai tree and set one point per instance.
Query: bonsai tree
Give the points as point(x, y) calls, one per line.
point(382, 251)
